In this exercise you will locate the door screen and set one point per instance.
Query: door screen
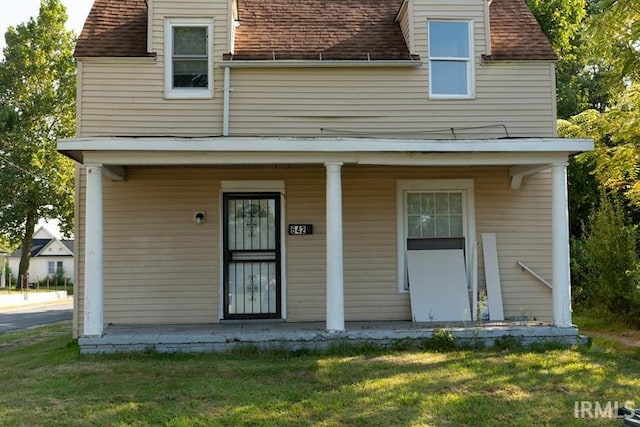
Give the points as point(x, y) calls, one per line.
point(252, 255)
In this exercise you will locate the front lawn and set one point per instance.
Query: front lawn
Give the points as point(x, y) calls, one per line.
point(44, 381)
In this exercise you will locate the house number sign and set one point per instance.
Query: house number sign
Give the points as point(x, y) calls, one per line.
point(300, 229)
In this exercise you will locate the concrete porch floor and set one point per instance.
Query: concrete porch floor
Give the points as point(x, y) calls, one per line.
point(196, 338)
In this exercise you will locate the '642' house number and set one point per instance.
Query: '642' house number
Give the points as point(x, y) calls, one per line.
point(300, 229)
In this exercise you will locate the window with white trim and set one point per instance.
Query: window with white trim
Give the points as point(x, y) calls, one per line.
point(450, 59)
point(53, 267)
point(437, 210)
point(434, 215)
point(188, 58)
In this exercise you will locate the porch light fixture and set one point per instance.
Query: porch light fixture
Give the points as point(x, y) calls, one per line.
point(199, 217)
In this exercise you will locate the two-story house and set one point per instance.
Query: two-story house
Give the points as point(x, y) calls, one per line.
point(329, 161)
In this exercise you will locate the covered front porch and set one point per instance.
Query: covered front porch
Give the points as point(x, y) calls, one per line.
point(115, 158)
point(314, 335)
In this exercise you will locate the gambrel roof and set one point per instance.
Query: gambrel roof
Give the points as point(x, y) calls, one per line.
point(308, 29)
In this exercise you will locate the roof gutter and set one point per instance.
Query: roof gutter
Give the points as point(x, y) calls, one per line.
point(313, 63)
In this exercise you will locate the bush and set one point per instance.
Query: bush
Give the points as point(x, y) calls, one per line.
point(441, 341)
point(605, 265)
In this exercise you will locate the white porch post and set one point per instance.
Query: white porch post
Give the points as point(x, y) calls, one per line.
point(93, 322)
point(335, 269)
point(560, 246)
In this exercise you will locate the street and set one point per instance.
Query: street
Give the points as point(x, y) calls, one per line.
point(34, 315)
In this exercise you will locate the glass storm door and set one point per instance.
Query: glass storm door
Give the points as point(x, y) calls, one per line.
point(252, 256)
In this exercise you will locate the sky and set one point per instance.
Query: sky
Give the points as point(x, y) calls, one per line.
point(14, 12)
point(53, 226)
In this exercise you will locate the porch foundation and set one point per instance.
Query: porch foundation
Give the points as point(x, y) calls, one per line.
point(295, 336)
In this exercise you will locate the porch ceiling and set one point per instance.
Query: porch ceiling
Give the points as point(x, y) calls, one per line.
point(132, 151)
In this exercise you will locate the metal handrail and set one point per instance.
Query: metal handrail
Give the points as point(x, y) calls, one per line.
point(528, 269)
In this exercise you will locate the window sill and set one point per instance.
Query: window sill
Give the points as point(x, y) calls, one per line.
point(188, 94)
point(451, 97)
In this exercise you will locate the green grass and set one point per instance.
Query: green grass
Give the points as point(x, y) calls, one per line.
point(45, 381)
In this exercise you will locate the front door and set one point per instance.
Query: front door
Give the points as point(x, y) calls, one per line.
point(252, 256)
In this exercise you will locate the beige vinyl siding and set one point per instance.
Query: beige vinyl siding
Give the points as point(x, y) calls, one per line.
point(311, 102)
point(388, 102)
point(370, 260)
point(456, 9)
point(306, 266)
point(522, 222)
point(125, 97)
point(161, 267)
point(404, 19)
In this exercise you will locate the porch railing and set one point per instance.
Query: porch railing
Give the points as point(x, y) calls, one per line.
point(528, 269)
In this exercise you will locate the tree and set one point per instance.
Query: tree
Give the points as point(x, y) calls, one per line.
point(562, 23)
point(614, 37)
point(37, 107)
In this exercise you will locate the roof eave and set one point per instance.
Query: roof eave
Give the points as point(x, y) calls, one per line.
point(315, 63)
point(509, 58)
point(146, 56)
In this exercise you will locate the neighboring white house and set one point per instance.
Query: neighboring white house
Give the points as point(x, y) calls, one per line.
point(48, 256)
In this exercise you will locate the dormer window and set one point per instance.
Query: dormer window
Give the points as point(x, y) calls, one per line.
point(450, 59)
point(188, 58)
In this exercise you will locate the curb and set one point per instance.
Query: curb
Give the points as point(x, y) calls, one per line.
point(54, 300)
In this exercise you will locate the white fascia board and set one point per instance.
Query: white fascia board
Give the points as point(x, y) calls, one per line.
point(193, 158)
point(511, 62)
point(325, 145)
point(313, 63)
point(66, 250)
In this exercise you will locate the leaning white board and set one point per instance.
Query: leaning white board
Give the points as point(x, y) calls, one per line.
point(492, 276)
point(438, 285)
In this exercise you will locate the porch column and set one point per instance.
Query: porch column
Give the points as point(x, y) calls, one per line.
point(335, 270)
point(561, 279)
point(93, 253)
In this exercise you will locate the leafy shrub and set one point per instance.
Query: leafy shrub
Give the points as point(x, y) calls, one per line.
point(605, 265)
point(441, 341)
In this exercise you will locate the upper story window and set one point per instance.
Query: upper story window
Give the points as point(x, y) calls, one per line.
point(188, 58)
point(450, 59)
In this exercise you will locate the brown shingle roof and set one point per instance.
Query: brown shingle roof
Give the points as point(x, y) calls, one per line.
point(515, 33)
point(304, 29)
point(114, 28)
point(308, 29)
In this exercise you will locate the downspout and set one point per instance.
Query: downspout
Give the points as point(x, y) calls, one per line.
point(234, 21)
point(225, 101)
